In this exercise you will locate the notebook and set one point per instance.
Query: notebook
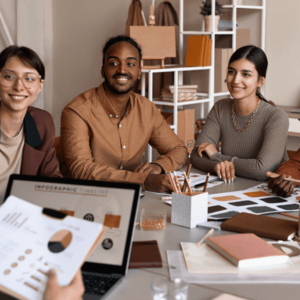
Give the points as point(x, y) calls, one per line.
point(263, 226)
point(112, 204)
point(145, 254)
point(247, 250)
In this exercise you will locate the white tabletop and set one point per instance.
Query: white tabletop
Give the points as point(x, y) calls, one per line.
point(136, 285)
point(137, 282)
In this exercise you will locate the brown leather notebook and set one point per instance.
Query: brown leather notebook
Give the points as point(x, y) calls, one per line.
point(145, 254)
point(263, 226)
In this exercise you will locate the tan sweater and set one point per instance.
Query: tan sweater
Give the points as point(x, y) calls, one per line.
point(11, 150)
point(253, 152)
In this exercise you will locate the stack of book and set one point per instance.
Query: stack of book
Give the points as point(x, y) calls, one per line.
point(185, 93)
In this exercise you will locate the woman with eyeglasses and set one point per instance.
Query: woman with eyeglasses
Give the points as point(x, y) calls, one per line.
point(26, 133)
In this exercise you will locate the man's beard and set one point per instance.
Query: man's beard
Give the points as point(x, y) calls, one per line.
point(114, 90)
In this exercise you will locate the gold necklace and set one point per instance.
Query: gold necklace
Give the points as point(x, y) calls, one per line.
point(234, 120)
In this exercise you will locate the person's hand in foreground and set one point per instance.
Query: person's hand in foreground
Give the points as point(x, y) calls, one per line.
point(281, 187)
point(226, 171)
point(158, 183)
point(207, 148)
point(73, 291)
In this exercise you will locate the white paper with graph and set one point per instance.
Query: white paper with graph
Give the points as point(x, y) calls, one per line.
point(32, 243)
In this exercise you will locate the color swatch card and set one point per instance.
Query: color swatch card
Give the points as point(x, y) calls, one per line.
point(256, 200)
point(196, 179)
point(264, 187)
point(31, 243)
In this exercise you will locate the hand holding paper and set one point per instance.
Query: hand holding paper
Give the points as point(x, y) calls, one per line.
point(73, 291)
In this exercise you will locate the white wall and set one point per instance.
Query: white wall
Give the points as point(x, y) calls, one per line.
point(80, 29)
point(8, 10)
point(283, 51)
point(29, 23)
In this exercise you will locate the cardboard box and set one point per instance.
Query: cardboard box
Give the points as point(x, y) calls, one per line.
point(185, 126)
point(222, 57)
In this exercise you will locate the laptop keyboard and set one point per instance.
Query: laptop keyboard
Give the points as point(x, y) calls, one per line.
point(98, 284)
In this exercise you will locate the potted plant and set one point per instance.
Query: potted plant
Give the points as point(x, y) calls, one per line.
point(206, 12)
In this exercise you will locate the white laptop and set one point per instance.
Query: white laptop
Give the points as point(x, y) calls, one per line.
point(112, 204)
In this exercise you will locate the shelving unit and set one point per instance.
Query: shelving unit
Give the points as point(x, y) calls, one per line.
point(234, 8)
point(177, 71)
point(180, 69)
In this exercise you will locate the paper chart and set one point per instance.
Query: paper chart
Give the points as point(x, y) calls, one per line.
point(31, 243)
point(257, 200)
point(108, 206)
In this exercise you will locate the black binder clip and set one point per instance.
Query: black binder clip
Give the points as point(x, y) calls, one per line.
point(54, 213)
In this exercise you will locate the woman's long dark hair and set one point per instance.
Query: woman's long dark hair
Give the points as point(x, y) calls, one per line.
point(27, 56)
point(258, 57)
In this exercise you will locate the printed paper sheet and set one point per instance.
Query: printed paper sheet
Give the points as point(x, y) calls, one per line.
point(32, 243)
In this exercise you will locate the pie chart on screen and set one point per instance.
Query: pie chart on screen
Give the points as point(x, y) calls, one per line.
point(60, 241)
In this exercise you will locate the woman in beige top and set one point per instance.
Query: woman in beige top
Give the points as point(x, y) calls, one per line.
point(26, 133)
point(253, 132)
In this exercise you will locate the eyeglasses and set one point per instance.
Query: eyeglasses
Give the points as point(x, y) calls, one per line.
point(29, 80)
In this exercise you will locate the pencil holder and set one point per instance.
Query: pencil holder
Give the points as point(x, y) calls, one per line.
point(189, 210)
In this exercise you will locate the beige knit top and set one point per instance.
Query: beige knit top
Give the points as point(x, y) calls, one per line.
point(11, 151)
point(253, 152)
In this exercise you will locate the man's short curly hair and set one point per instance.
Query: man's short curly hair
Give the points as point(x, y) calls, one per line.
point(118, 39)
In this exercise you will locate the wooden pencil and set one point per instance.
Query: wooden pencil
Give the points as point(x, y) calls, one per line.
point(172, 183)
point(177, 183)
point(187, 182)
point(188, 171)
point(275, 175)
point(205, 237)
point(289, 215)
point(206, 181)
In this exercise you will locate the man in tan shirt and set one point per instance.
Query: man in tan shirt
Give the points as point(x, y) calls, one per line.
point(105, 130)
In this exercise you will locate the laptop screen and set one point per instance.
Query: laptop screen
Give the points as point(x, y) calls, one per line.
point(104, 202)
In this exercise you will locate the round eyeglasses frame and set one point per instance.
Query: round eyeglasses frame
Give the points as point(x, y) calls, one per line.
point(10, 82)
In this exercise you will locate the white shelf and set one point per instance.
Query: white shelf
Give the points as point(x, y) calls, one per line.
point(173, 68)
point(206, 32)
point(223, 32)
point(222, 94)
point(244, 7)
point(181, 103)
point(195, 32)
